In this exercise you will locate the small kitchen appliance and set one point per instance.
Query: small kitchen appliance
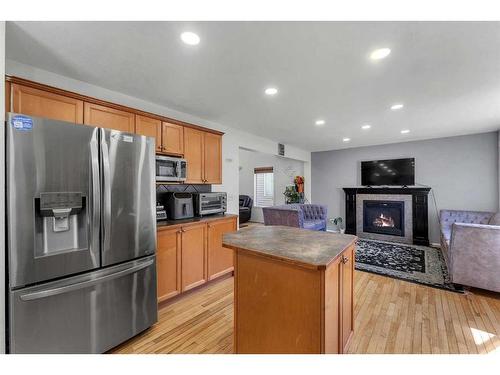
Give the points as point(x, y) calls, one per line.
point(180, 206)
point(161, 213)
point(170, 169)
point(210, 203)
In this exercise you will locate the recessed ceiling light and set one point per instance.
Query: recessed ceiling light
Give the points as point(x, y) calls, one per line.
point(389, 170)
point(320, 122)
point(346, 139)
point(190, 38)
point(366, 127)
point(395, 107)
point(380, 53)
point(405, 131)
point(271, 91)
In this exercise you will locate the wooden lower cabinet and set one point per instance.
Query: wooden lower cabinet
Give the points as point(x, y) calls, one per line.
point(168, 261)
point(284, 308)
point(220, 259)
point(191, 254)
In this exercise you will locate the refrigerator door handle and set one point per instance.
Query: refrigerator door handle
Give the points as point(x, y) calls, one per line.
point(85, 284)
point(106, 199)
point(96, 194)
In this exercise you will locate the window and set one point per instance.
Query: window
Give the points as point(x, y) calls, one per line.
point(264, 186)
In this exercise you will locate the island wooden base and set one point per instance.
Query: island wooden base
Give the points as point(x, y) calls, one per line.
point(282, 307)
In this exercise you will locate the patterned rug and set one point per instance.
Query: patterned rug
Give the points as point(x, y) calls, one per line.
point(418, 264)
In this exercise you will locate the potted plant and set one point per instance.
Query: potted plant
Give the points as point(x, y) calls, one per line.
point(338, 222)
point(291, 195)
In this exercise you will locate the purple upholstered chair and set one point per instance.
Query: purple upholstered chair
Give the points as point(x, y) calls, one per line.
point(470, 241)
point(307, 216)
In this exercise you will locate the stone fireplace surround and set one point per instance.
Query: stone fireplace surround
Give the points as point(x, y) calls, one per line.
point(415, 197)
point(408, 220)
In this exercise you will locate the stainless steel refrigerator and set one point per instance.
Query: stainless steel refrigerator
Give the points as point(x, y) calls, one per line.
point(81, 235)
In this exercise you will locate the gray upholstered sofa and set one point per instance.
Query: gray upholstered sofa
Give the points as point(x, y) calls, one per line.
point(307, 216)
point(470, 241)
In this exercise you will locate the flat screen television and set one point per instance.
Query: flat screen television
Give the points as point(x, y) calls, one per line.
point(388, 172)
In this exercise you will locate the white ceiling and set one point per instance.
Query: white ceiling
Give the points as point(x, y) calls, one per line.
point(447, 74)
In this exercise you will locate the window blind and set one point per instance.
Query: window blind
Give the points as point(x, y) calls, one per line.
point(264, 187)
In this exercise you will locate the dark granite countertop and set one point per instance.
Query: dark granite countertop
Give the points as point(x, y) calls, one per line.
point(308, 248)
point(164, 224)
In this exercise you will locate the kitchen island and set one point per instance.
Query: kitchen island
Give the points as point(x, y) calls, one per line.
point(293, 290)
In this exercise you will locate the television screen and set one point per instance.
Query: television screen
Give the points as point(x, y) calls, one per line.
point(388, 172)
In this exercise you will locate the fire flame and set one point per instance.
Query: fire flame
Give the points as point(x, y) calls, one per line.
point(384, 221)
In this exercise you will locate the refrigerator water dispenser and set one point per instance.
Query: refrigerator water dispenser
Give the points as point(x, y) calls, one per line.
point(60, 222)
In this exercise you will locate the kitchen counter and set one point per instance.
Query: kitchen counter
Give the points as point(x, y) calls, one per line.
point(311, 249)
point(169, 224)
point(293, 290)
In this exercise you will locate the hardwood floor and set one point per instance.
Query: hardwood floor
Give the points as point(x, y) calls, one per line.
point(391, 316)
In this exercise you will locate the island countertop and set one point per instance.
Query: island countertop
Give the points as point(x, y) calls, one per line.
point(311, 249)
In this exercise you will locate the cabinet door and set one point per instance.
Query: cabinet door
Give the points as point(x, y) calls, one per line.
point(213, 158)
point(39, 103)
point(332, 314)
point(193, 260)
point(347, 275)
point(220, 259)
point(168, 260)
point(193, 153)
point(149, 127)
point(106, 117)
point(173, 139)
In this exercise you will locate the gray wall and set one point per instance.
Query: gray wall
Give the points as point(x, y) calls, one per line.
point(285, 170)
point(462, 172)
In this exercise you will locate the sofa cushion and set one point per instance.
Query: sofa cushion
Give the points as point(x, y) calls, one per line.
point(495, 219)
point(317, 224)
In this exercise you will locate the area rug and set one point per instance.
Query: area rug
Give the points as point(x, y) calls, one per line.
point(418, 264)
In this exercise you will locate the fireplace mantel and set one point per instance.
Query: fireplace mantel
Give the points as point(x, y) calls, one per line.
point(419, 208)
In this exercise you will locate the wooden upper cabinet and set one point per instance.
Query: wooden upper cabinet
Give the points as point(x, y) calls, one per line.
point(172, 138)
point(39, 103)
point(193, 153)
point(220, 259)
point(168, 262)
point(106, 117)
point(193, 259)
point(149, 127)
point(213, 158)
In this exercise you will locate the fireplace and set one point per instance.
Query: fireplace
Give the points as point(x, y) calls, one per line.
point(384, 217)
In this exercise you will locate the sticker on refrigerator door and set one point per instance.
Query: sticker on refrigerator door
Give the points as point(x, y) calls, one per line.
point(128, 138)
point(23, 123)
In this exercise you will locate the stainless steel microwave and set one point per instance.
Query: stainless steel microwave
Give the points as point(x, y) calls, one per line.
point(170, 169)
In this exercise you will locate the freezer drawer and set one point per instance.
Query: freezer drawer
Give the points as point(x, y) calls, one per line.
point(90, 313)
